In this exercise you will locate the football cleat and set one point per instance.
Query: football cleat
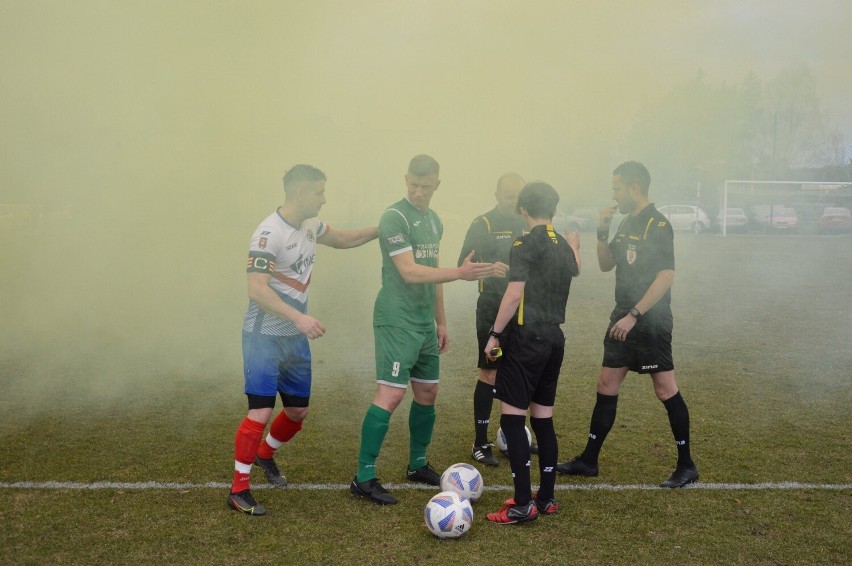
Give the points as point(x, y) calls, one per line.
point(271, 471)
point(511, 514)
point(244, 502)
point(681, 476)
point(484, 455)
point(577, 467)
point(549, 507)
point(372, 490)
point(424, 474)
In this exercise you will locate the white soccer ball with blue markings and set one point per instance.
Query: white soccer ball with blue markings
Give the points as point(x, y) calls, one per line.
point(464, 479)
point(500, 441)
point(448, 515)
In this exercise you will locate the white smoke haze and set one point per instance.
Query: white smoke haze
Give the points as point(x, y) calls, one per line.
point(163, 129)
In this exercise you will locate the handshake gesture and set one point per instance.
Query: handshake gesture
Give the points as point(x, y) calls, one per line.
point(471, 271)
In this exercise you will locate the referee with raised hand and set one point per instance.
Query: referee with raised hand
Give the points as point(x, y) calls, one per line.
point(639, 333)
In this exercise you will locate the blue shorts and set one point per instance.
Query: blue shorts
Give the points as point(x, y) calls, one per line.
point(277, 364)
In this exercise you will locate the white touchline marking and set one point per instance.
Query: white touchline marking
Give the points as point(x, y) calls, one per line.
point(151, 485)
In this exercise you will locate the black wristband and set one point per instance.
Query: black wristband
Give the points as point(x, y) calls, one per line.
point(496, 335)
point(603, 234)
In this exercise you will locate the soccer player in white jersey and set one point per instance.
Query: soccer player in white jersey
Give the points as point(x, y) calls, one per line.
point(276, 327)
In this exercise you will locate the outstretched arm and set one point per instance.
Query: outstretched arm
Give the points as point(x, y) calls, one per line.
point(413, 272)
point(342, 239)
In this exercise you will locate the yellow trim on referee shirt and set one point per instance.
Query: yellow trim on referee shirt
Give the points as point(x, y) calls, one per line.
point(648, 227)
point(521, 311)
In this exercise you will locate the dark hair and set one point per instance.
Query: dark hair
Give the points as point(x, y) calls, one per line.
point(634, 172)
point(538, 199)
point(300, 174)
point(422, 165)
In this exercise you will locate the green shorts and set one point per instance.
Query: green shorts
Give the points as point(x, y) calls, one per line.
point(403, 355)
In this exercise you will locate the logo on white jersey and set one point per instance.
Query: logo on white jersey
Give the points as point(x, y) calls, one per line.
point(302, 263)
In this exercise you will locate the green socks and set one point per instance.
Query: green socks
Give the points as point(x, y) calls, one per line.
point(373, 431)
point(421, 423)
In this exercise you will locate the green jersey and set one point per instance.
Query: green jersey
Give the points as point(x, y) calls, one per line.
point(403, 228)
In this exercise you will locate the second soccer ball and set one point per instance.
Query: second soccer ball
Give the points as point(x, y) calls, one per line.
point(501, 444)
point(464, 479)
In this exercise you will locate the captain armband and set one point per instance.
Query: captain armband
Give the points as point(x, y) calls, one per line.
point(260, 262)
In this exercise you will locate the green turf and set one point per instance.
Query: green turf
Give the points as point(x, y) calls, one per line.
point(762, 335)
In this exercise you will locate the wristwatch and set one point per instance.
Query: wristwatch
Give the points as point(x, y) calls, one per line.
point(635, 313)
point(603, 234)
point(496, 335)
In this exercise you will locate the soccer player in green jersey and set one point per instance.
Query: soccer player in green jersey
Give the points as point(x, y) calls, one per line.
point(410, 328)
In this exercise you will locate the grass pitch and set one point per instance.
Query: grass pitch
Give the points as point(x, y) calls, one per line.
point(762, 335)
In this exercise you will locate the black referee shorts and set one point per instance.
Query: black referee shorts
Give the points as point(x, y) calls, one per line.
point(648, 348)
point(486, 311)
point(529, 369)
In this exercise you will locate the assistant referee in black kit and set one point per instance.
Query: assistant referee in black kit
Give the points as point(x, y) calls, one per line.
point(490, 237)
point(542, 264)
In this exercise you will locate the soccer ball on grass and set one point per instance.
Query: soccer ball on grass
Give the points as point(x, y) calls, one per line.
point(464, 479)
point(500, 441)
point(448, 515)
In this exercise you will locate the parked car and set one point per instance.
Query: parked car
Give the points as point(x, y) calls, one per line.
point(686, 217)
point(735, 219)
point(774, 218)
point(835, 219)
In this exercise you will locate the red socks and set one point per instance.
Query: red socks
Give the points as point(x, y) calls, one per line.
point(281, 431)
point(248, 437)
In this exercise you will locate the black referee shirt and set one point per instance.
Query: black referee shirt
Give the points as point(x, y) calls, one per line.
point(492, 236)
point(642, 247)
point(545, 262)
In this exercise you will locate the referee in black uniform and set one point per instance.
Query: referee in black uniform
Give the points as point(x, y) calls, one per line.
point(490, 237)
point(527, 329)
point(639, 334)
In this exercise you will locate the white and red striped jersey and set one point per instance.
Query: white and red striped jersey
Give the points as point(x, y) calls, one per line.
point(287, 253)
